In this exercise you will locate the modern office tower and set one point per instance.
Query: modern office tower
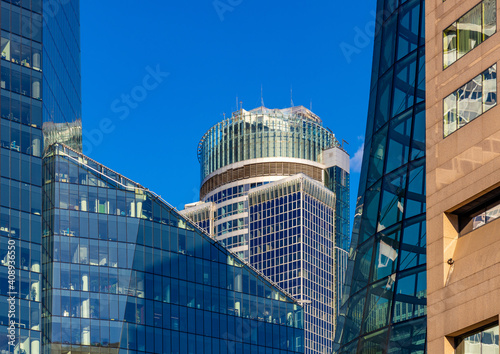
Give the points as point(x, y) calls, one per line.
point(386, 277)
point(40, 83)
point(125, 272)
point(291, 228)
point(463, 175)
point(259, 150)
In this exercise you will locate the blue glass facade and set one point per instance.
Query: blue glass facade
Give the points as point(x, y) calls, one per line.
point(260, 133)
point(124, 272)
point(386, 280)
point(62, 102)
point(29, 68)
point(291, 229)
point(338, 181)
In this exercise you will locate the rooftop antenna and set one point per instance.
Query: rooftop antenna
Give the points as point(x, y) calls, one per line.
point(311, 106)
point(241, 105)
point(291, 96)
point(261, 97)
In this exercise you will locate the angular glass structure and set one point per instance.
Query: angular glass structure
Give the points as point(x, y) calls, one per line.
point(126, 273)
point(386, 280)
point(40, 77)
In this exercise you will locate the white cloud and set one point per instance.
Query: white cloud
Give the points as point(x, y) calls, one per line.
point(357, 159)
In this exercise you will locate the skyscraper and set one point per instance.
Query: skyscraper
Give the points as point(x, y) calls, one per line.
point(291, 228)
point(463, 194)
point(40, 85)
point(275, 190)
point(386, 277)
point(125, 272)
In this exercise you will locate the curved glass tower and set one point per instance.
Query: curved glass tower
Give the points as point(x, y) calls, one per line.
point(386, 278)
point(294, 136)
point(253, 148)
point(275, 190)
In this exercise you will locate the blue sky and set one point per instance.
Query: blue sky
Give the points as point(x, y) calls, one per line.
point(156, 75)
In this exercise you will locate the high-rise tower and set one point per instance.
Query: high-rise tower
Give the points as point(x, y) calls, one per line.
point(275, 190)
point(386, 277)
point(40, 86)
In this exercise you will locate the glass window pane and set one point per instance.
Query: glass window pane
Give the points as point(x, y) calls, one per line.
point(383, 100)
point(472, 344)
point(470, 101)
point(489, 340)
point(404, 84)
point(387, 246)
point(450, 45)
point(450, 114)
point(388, 47)
point(374, 343)
point(490, 18)
point(392, 206)
point(378, 305)
point(399, 141)
point(469, 31)
point(489, 88)
point(408, 28)
point(408, 337)
point(492, 213)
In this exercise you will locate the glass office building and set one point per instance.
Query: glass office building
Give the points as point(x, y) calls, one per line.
point(386, 279)
point(262, 148)
point(291, 228)
point(124, 272)
point(62, 96)
point(38, 68)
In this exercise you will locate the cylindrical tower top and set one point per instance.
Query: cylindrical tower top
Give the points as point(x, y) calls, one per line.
point(294, 132)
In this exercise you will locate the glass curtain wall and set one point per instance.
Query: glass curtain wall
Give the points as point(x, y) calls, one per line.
point(291, 227)
point(124, 272)
point(263, 133)
point(338, 181)
point(385, 307)
point(62, 103)
point(21, 175)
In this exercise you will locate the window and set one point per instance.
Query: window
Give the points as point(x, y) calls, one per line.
point(470, 101)
point(469, 31)
point(479, 212)
point(483, 341)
